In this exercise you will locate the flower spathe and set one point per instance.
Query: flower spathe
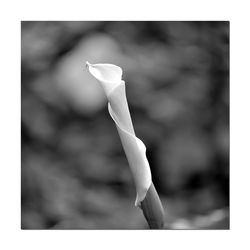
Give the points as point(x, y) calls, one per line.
point(110, 77)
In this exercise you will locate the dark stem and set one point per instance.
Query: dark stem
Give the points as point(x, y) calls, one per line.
point(152, 209)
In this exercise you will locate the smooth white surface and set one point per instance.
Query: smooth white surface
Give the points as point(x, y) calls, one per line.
point(110, 77)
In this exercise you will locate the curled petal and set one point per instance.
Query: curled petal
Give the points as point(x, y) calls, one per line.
point(108, 75)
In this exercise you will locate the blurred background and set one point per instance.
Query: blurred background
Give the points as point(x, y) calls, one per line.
point(74, 173)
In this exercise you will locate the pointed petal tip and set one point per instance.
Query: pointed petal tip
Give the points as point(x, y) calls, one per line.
point(87, 64)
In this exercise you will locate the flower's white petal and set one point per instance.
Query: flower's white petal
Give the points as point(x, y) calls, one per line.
point(108, 75)
point(118, 101)
point(135, 151)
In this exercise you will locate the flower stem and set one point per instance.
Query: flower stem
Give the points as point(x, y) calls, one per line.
point(152, 209)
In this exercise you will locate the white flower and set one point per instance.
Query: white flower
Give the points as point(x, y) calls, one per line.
point(110, 77)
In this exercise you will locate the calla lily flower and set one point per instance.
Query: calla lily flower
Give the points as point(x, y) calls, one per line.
point(110, 77)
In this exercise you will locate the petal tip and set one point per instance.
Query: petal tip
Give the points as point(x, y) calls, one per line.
point(87, 64)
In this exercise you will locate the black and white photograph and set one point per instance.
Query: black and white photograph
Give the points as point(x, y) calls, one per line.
point(125, 125)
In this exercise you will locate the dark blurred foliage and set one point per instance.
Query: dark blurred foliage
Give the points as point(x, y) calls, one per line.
point(74, 170)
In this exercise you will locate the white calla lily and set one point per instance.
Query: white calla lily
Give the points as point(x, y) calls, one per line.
point(110, 77)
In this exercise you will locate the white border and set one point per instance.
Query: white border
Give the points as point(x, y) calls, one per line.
point(11, 14)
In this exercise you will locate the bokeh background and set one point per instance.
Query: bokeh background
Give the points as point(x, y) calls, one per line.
point(74, 173)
